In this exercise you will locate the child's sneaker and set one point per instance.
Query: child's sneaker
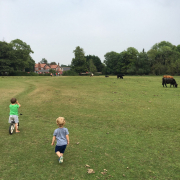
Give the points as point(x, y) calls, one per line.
point(61, 159)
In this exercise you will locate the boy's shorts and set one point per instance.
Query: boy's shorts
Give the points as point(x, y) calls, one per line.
point(61, 149)
point(13, 117)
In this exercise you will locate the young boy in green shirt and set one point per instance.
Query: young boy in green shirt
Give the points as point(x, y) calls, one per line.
point(14, 112)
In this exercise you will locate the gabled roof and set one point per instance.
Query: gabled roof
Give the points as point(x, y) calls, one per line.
point(54, 66)
point(40, 65)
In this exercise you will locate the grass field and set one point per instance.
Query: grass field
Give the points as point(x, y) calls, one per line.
point(129, 127)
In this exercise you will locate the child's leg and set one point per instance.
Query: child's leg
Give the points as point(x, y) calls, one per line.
point(59, 154)
point(60, 151)
point(16, 127)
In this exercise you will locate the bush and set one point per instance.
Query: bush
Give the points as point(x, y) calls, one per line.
point(70, 73)
point(20, 73)
point(46, 74)
point(97, 74)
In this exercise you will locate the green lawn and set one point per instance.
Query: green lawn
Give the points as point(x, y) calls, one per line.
point(130, 127)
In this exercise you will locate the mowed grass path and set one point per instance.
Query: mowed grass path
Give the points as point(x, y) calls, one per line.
point(118, 123)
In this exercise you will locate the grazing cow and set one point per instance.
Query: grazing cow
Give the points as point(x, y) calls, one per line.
point(168, 76)
point(91, 75)
point(170, 81)
point(120, 75)
point(106, 76)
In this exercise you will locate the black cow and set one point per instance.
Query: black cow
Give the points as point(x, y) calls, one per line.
point(170, 81)
point(106, 76)
point(120, 75)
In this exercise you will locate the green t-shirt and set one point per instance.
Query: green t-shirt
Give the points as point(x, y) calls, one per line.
point(13, 109)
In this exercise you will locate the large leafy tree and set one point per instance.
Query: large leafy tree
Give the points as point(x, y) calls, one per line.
point(31, 65)
point(112, 62)
point(78, 63)
point(163, 57)
point(92, 67)
point(6, 57)
point(96, 61)
point(141, 65)
point(131, 58)
point(178, 48)
point(44, 61)
point(21, 53)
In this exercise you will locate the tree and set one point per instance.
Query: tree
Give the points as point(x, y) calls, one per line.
point(158, 46)
point(44, 61)
point(52, 71)
point(132, 55)
point(162, 57)
point(31, 65)
point(53, 63)
point(112, 63)
point(92, 67)
point(5, 58)
point(78, 64)
point(21, 54)
point(96, 61)
point(178, 48)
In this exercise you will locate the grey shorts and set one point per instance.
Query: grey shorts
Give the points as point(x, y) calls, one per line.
point(13, 117)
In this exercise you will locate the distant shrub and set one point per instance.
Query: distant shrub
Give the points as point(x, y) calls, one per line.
point(70, 73)
point(46, 74)
point(97, 74)
point(20, 73)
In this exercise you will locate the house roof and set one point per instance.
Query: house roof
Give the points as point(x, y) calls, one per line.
point(41, 65)
point(54, 66)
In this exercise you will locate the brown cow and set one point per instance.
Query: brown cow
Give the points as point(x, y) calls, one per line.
point(168, 76)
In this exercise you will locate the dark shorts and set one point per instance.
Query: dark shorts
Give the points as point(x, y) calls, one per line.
point(61, 149)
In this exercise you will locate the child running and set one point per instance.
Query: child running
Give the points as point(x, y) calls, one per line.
point(61, 135)
point(14, 112)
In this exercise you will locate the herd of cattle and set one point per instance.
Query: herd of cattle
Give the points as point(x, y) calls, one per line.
point(167, 79)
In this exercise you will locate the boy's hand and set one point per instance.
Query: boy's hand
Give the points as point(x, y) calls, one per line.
point(52, 143)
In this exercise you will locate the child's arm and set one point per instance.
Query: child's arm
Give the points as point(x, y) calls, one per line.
point(67, 137)
point(18, 103)
point(53, 139)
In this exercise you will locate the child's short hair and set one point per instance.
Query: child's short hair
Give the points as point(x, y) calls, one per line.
point(13, 100)
point(60, 121)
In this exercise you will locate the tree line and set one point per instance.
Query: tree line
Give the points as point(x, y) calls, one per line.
point(162, 58)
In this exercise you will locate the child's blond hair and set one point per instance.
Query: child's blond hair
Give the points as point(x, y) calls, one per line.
point(60, 121)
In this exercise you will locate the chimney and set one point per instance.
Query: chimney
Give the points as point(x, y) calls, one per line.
point(58, 64)
point(39, 66)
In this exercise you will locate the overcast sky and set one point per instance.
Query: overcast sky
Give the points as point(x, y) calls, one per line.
point(54, 28)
